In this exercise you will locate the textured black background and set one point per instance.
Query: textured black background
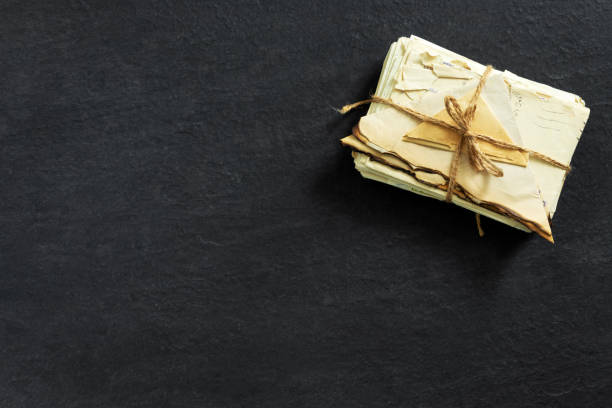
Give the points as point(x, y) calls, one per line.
point(181, 228)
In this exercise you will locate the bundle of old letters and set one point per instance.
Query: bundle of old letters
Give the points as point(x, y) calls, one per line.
point(446, 127)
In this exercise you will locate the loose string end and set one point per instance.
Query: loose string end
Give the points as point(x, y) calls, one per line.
point(480, 230)
point(344, 109)
point(350, 107)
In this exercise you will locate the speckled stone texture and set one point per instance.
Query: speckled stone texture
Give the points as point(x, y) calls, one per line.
point(181, 227)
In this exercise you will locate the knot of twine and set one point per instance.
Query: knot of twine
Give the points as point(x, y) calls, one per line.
point(462, 119)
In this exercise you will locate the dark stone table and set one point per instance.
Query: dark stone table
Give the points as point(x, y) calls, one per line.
point(181, 228)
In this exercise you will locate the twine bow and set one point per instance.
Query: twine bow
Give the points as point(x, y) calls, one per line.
point(462, 119)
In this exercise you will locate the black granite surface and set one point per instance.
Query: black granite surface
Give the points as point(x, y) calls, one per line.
point(181, 228)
